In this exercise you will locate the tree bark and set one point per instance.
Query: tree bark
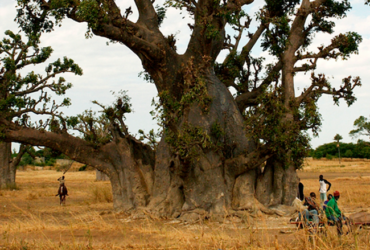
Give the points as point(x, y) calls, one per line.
point(100, 176)
point(7, 170)
point(213, 183)
point(277, 184)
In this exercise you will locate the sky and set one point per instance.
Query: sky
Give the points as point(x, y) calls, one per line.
point(114, 67)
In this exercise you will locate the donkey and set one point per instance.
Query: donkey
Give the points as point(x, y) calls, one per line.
point(62, 192)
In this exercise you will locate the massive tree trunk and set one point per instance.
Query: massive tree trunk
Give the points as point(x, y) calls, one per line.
point(7, 170)
point(277, 184)
point(8, 165)
point(217, 180)
point(205, 181)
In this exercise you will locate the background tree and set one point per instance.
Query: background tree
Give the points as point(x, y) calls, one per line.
point(362, 127)
point(359, 150)
point(17, 101)
point(213, 147)
point(337, 138)
point(348, 153)
point(8, 164)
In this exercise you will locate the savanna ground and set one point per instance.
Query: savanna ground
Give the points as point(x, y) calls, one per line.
point(31, 217)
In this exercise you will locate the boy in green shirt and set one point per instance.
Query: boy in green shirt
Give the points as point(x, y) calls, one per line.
point(333, 213)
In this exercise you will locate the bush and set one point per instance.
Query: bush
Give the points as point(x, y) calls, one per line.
point(329, 157)
point(26, 160)
point(83, 168)
point(348, 154)
point(359, 150)
point(317, 155)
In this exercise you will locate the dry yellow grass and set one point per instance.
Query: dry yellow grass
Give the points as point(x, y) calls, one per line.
point(345, 165)
point(31, 218)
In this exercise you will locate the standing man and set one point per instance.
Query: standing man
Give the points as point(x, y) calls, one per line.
point(300, 194)
point(323, 189)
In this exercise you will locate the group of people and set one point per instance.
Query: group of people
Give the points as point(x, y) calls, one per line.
point(328, 207)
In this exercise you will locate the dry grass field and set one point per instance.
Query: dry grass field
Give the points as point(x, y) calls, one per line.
point(31, 217)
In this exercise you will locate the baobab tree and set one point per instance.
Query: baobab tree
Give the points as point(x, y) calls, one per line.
point(217, 153)
point(16, 100)
point(8, 164)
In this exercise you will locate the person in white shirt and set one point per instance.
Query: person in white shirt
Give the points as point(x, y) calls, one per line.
point(323, 189)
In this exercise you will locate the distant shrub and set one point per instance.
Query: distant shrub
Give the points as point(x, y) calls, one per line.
point(329, 157)
point(348, 153)
point(50, 162)
point(317, 155)
point(350, 150)
point(83, 168)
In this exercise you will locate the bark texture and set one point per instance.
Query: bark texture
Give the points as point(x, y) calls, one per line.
point(100, 176)
point(8, 167)
point(7, 170)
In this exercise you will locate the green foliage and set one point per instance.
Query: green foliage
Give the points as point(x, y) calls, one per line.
point(359, 150)
point(338, 137)
point(83, 168)
point(234, 18)
point(50, 156)
point(329, 157)
point(26, 160)
point(267, 125)
point(146, 76)
point(34, 19)
point(233, 68)
point(216, 130)
point(322, 19)
point(280, 7)
point(348, 153)
point(152, 138)
point(170, 108)
point(212, 31)
point(275, 40)
point(362, 127)
point(188, 141)
point(19, 93)
point(96, 129)
point(197, 93)
point(161, 14)
point(348, 43)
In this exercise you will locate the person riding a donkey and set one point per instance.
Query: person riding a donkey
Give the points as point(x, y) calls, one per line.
point(62, 191)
